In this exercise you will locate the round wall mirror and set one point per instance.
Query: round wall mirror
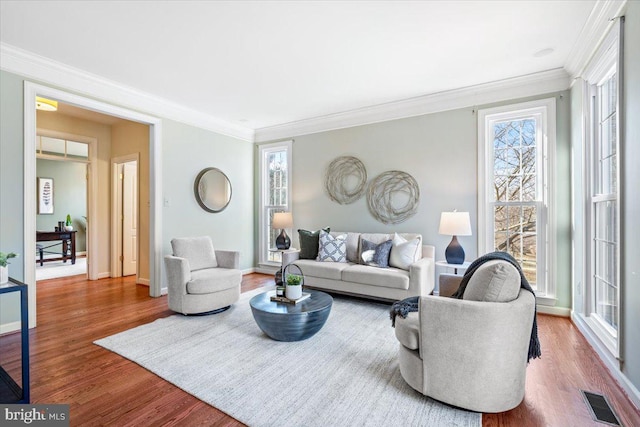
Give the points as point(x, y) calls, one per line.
point(212, 189)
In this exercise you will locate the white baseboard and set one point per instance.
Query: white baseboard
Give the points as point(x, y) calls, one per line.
point(608, 360)
point(554, 311)
point(6, 328)
point(265, 269)
point(104, 275)
point(143, 281)
point(248, 271)
point(164, 291)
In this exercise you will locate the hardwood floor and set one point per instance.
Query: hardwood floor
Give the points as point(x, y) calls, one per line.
point(103, 388)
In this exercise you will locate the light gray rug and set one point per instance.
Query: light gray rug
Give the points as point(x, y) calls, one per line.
point(347, 374)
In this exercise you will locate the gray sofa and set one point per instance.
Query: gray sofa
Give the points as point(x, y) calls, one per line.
point(354, 278)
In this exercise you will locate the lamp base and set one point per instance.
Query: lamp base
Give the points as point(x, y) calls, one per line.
point(454, 253)
point(283, 241)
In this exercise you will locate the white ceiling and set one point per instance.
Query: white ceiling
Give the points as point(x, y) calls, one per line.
point(258, 64)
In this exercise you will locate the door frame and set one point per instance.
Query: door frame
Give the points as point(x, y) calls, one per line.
point(116, 234)
point(92, 192)
point(31, 90)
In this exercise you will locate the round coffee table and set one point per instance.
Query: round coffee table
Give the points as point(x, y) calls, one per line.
point(291, 322)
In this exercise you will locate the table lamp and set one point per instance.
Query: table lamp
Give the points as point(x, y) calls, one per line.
point(455, 224)
point(282, 220)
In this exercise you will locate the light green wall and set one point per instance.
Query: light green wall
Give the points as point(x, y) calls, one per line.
point(11, 183)
point(630, 155)
point(440, 151)
point(69, 197)
point(185, 150)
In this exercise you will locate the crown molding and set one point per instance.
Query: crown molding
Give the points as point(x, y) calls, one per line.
point(45, 70)
point(595, 29)
point(487, 93)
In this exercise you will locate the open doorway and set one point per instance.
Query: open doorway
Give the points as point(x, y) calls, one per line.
point(125, 217)
point(63, 170)
point(153, 179)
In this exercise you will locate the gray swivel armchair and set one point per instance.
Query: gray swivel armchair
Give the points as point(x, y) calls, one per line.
point(471, 352)
point(201, 280)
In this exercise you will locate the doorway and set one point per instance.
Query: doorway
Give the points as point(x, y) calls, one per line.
point(31, 90)
point(125, 216)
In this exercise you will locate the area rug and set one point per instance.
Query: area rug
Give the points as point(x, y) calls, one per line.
point(347, 374)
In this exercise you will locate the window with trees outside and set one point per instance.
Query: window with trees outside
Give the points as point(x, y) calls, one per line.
point(275, 182)
point(514, 166)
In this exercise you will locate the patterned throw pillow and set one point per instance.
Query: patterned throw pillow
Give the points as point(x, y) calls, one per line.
point(332, 249)
point(309, 241)
point(376, 255)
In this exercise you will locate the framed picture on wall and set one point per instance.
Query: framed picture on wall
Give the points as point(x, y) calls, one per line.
point(45, 196)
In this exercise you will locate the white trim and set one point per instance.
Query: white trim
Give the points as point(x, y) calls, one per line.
point(554, 311)
point(33, 66)
point(598, 24)
point(611, 363)
point(547, 108)
point(6, 328)
point(518, 87)
point(248, 271)
point(142, 281)
point(104, 275)
point(155, 181)
point(92, 199)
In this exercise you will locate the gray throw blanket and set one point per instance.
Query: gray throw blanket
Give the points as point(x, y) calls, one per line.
point(404, 307)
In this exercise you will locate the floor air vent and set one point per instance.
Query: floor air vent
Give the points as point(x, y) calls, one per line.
point(600, 409)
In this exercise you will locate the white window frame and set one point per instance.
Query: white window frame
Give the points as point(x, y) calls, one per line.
point(603, 65)
point(545, 109)
point(263, 152)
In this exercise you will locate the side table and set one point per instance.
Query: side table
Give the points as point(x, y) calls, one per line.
point(456, 267)
point(10, 391)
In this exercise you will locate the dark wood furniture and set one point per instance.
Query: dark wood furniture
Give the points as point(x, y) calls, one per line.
point(10, 391)
point(68, 245)
point(291, 322)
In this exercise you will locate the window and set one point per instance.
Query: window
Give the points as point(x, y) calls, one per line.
point(514, 194)
point(601, 164)
point(275, 184)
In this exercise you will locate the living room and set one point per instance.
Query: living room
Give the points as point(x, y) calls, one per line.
point(434, 139)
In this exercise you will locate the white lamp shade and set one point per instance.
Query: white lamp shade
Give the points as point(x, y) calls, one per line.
point(455, 224)
point(282, 220)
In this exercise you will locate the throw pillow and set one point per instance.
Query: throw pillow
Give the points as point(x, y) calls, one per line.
point(333, 249)
point(376, 255)
point(404, 253)
point(309, 241)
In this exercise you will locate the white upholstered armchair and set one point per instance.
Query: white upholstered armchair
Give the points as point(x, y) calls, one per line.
point(471, 352)
point(201, 280)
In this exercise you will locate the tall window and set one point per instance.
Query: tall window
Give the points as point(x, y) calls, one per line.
point(514, 199)
point(603, 294)
point(275, 181)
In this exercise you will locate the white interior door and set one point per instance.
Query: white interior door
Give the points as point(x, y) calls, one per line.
point(129, 218)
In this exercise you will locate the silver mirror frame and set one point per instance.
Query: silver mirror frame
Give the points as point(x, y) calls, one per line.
point(196, 190)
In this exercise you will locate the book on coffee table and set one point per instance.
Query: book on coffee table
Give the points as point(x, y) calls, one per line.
point(286, 300)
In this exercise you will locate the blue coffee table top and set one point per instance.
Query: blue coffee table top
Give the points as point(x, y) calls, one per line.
point(317, 301)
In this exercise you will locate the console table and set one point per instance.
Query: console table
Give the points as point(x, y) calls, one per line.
point(10, 391)
point(68, 244)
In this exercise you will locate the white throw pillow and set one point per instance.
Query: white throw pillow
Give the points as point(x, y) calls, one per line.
point(404, 253)
point(332, 249)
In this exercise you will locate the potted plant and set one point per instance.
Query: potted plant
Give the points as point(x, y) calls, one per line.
point(4, 266)
point(68, 225)
point(294, 286)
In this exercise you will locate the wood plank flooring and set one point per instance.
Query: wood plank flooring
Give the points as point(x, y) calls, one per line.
point(103, 388)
